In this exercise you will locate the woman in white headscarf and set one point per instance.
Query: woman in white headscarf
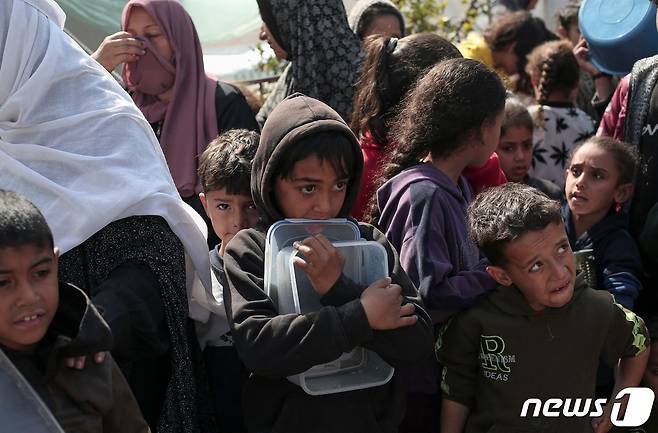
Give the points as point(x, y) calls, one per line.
point(73, 143)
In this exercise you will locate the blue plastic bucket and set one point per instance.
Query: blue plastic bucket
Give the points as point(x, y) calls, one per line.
point(618, 32)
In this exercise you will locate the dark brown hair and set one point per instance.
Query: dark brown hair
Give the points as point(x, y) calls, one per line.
point(555, 67)
point(391, 68)
point(226, 162)
point(447, 106)
point(626, 157)
point(516, 115)
point(524, 29)
point(502, 214)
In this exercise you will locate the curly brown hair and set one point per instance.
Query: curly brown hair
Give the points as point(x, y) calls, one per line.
point(441, 114)
point(391, 68)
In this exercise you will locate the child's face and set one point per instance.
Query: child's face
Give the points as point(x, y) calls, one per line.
point(515, 153)
point(29, 294)
point(540, 263)
point(592, 184)
point(229, 213)
point(651, 373)
point(312, 190)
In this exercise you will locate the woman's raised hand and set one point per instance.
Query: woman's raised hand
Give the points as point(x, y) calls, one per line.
point(118, 48)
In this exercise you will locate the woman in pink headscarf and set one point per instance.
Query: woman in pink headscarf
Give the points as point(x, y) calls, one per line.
point(163, 69)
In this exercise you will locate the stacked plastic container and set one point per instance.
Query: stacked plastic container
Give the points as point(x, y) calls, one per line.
point(292, 293)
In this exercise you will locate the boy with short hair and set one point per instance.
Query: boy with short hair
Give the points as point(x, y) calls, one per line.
point(43, 324)
point(540, 334)
point(225, 174)
point(308, 165)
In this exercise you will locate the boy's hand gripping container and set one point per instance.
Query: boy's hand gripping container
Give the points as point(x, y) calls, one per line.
point(292, 293)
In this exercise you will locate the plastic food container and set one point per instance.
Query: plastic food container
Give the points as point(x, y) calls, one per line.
point(366, 262)
point(282, 234)
point(619, 33)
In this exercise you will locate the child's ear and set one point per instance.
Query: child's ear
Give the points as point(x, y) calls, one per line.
point(56, 255)
point(499, 274)
point(623, 192)
point(202, 197)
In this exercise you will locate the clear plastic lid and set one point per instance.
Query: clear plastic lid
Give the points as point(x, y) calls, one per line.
point(283, 233)
point(22, 410)
point(365, 263)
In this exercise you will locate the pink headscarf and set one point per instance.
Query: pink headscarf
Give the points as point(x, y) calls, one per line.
point(190, 117)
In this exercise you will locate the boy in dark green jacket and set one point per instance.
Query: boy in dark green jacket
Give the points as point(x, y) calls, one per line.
point(308, 165)
point(540, 335)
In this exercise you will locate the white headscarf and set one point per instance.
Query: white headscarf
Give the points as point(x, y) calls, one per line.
point(73, 142)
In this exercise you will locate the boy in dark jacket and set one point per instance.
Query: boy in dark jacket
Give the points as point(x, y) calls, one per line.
point(540, 335)
point(42, 325)
point(225, 173)
point(308, 165)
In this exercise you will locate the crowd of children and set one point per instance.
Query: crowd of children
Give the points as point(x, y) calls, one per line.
point(479, 179)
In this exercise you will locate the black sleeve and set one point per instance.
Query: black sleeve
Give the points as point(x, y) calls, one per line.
point(232, 109)
point(130, 302)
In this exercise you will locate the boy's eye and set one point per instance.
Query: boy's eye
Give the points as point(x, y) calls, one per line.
point(506, 148)
point(535, 267)
point(563, 248)
point(340, 185)
point(42, 273)
point(527, 145)
point(251, 206)
point(307, 189)
point(222, 206)
point(4, 283)
point(599, 175)
point(575, 171)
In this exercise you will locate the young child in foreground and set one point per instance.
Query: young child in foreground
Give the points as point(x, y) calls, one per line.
point(308, 165)
point(540, 334)
point(225, 174)
point(43, 324)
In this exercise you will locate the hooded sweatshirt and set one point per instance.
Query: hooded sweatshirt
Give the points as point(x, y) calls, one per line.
point(424, 215)
point(616, 256)
point(362, 6)
point(97, 398)
point(274, 346)
point(500, 353)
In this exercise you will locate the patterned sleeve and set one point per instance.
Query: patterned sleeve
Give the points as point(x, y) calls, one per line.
point(457, 349)
point(627, 336)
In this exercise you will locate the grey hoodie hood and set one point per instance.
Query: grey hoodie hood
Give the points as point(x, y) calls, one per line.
point(359, 9)
point(295, 118)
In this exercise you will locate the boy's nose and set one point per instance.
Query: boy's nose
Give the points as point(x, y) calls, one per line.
point(27, 295)
point(518, 155)
point(559, 270)
point(322, 203)
point(240, 219)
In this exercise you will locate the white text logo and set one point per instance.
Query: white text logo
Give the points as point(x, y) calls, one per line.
point(638, 410)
